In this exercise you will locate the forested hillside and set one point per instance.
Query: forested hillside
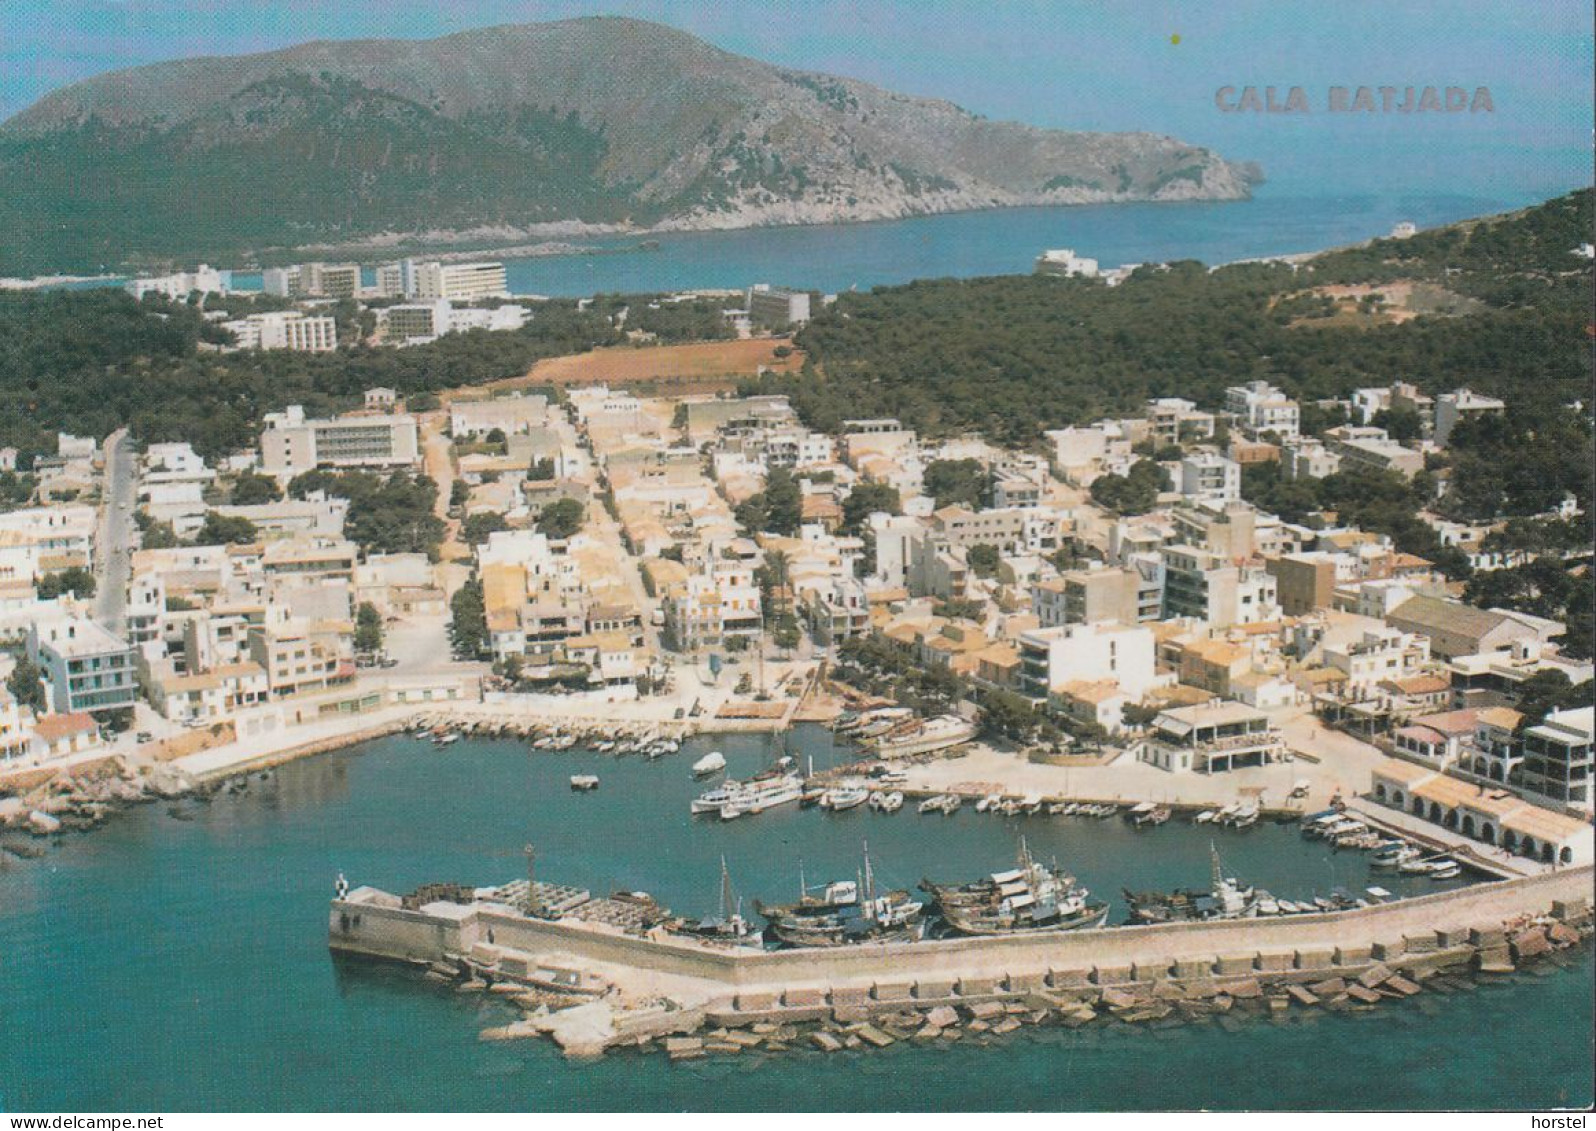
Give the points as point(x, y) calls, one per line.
point(1013, 356)
point(89, 362)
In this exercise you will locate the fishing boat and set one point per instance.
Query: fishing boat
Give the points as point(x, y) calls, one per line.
point(845, 912)
point(843, 798)
point(712, 763)
point(930, 804)
point(989, 802)
point(886, 802)
point(1030, 898)
point(584, 783)
point(447, 739)
point(1226, 899)
point(729, 924)
point(1205, 817)
point(1031, 804)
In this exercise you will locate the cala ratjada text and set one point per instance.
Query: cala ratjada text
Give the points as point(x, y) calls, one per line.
point(1367, 99)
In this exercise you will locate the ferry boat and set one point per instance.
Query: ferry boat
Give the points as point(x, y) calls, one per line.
point(926, 737)
point(764, 791)
point(1226, 899)
point(1031, 898)
point(846, 912)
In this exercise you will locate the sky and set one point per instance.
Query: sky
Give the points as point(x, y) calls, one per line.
point(1153, 65)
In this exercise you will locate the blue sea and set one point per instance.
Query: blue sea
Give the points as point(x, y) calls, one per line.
point(169, 964)
point(836, 257)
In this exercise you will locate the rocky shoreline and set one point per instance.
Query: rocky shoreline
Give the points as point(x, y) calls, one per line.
point(584, 1026)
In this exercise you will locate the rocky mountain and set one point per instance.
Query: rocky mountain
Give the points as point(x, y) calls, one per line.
point(521, 131)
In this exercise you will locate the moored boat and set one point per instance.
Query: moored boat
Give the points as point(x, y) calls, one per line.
point(1032, 897)
point(846, 912)
point(1226, 899)
point(712, 763)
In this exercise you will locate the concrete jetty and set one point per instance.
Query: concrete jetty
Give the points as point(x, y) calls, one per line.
point(743, 985)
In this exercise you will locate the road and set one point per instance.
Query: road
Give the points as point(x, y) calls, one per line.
point(114, 538)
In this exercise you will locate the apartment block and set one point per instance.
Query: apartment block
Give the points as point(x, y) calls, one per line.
point(284, 330)
point(1260, 407)
point(86, 667)
point(460, 282)
point(293, 444)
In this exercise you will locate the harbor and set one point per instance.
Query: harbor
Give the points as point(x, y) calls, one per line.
point(475, 804)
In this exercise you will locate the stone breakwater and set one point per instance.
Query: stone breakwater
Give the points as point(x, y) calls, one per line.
point(593, 988)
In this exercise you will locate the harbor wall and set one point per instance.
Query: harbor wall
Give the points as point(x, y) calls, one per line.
point(1111, 956)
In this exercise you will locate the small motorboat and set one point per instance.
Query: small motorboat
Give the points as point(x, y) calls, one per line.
point(843, 798)
point(988, 803)
point(1394, 856)
point(1205, 817)
point(584, 783)
point(712, 763)
point(1449, 870)
point(731, 812)
point(886, 802)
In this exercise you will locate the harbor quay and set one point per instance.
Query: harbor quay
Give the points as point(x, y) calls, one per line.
point(624, 988)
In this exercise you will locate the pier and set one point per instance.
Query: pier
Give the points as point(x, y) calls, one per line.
point(1470, 927)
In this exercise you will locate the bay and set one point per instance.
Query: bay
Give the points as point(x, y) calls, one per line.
point(161, 964)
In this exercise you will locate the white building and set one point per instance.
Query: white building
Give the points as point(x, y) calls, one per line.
point(285, 330)
point(1209, 475)
point(513, 415)
point(293, 444)
point(1053, 657)
point(777, 306)
point(1463, 404)
point(181, 284)
point(1260, 407)
point(460, 282)
point(1381, 654)
point(1064, 261)
point(1307, 457)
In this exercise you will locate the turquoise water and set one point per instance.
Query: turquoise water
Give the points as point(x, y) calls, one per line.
point(967, 244)
point(171, 965)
